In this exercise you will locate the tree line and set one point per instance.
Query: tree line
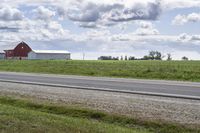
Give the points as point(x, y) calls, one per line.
point(153, 55)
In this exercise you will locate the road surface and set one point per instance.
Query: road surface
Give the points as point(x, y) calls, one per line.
point(168, 88)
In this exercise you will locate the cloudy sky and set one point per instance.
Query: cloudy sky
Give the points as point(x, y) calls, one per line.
point(103, 27)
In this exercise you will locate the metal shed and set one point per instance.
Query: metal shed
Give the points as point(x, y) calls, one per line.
point(2, 55)
point(48, 55)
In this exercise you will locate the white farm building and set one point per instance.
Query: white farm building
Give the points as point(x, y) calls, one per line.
point(48, 55)
point(2, 55)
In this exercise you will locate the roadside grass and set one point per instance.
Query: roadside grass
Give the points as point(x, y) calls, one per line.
point(24, 115)
point(20, 120)
point(166, 70)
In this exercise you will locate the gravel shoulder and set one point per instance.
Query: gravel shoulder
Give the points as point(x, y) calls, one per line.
point(143, 107)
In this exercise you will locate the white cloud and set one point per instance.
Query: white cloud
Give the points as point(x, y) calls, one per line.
point(146, 28)
point(174, 4)
point(195, 38)
point(33, 30)
point(183, 19)
point(167, 4)
point(95, 13)
point(189, 38)
point(43, 13)
point(90, 13)
point(138, 11)
point(8, 13)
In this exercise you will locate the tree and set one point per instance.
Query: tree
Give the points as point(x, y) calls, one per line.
point(152, 55)
point(126, 58)
point(122, 58)
point(132, 58)
point(146, 58)
point(185, 58)
point(108, 58)
point(115, 58)
point(158, 55)
point(169, 58)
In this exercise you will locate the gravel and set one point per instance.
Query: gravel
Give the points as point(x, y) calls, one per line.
point(143, 107)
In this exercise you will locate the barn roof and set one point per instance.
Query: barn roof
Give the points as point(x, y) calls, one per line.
point(12, 45)
point(50, 51)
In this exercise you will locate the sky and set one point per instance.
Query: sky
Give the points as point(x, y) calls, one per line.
point(103, 27)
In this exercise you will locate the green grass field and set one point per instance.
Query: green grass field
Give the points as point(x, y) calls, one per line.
point(19, 115)
point(167, 70)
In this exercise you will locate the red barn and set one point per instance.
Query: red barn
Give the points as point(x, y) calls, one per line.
point(19, 52)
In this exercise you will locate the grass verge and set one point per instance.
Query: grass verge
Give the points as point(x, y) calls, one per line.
point(168, 70)
point(23, 115)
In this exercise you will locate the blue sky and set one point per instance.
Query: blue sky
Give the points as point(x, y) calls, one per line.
point(106, 27)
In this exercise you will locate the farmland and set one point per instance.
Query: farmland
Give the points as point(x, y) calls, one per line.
point(165, 70)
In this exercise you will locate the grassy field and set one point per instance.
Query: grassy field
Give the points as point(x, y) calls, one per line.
point(167, 70)
point(23, 115)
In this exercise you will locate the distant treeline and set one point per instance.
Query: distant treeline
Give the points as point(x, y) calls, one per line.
point(108, 58)
point(153, 55)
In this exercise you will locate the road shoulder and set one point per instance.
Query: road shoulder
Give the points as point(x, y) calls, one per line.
point(137, 106)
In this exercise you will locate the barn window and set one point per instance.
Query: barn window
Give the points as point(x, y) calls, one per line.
point(22, 47)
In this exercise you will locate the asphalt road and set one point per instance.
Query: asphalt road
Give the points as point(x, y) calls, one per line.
point(150, 86)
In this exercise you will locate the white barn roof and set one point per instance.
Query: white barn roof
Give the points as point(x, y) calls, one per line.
point(50, 52)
